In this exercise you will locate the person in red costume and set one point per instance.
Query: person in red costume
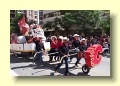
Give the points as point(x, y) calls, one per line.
point(59, 43)
point(53, 46)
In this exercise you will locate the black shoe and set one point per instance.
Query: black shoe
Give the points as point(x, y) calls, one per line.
point(55, 70)
point(76, 65)
point(50, 60)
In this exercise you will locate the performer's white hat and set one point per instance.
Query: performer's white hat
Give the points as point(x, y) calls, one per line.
point(75, 35)
point(53, 37)
point(65, 38)
point(83, 39)
point(60, 37)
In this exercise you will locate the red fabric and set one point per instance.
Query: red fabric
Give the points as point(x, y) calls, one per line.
point(24, 29)
point(102, 39)
point(13, 38)
point(22, 24)
point(54, 44)
point(92, 56)
point(59, 43)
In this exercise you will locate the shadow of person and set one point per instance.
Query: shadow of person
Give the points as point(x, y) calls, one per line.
point(61, 71)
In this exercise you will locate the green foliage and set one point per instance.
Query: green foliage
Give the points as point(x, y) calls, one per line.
point(67, 21)
point(105, 24)
point(14, 28)
point(56, 23)
point(87, 17)
point(48, 25)
point(85, 20)
point(30, 22)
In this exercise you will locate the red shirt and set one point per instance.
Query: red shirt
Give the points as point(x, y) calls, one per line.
point(59, 43)
point(54, 44)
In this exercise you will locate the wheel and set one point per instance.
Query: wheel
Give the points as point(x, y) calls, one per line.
point(85, 69)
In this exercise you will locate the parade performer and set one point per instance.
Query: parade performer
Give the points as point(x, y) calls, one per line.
point(82, 48)
point(76, 41)
point(59, 43)
point(53, 47)
point(64, 51)
point(75, 44)
point(39, 48)
point(48, 39)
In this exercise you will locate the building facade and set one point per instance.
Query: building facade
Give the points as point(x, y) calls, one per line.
point(36, 15)
point(50, 15)
point(12, 15)
point(29, 14)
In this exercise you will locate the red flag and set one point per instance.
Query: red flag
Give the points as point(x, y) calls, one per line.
point(24, 27)
point(21, 22)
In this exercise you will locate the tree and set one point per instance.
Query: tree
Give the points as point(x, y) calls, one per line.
point(31, 21)
point(87, 18)
point(48, 25)
point(105, 24)
point(56, 25)
point(14, 28)
point(67, 21)
point(53, 25)
point(84, 20)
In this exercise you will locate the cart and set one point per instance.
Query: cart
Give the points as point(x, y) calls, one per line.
point(92, 57)
point(27, 49)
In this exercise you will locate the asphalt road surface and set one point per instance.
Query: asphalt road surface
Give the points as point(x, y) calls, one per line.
point(22, 66)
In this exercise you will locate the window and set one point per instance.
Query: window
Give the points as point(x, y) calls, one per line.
point(12, 11)
point(23, 11)
point(30, 14)
point(40, 22)
point(40, 18)
point(12, 15)
point(31, 11)
point(35, 12)
point(40, 13)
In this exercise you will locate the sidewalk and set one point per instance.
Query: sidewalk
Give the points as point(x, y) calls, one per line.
point(12, 73)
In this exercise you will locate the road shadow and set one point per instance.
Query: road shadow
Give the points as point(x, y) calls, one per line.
point(106, 55)
point(48, 66)
point(14, 59)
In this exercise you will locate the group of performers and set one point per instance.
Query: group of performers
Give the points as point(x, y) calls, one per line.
point(61, 45)
point(60, 49)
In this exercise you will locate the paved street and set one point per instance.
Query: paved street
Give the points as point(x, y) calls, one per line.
point(23, 67)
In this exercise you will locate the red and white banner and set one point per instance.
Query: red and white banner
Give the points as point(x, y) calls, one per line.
point(24, 27)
